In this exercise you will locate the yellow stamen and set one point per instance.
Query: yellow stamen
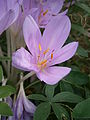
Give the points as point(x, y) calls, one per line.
point(43, 62)
point(40, 47)
point(44, 65)
point(46, 51)
point(52, 56)
point(45, 12)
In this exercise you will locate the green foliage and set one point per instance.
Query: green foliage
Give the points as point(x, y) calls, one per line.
point(82, 52)
point(37, 97)
point(42, 111)
point(78, 78)
point(60, 111)
point(5, 110)
point(67, 97)
point(80, 29)
point(82, 110)
point(49, 91)
point(6, 91)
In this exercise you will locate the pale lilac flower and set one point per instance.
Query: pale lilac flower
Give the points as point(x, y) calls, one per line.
point(23, 109)
point(9, 10)
point(45, 10)
point(46, 50)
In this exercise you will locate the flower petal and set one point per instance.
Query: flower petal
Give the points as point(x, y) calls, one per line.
point(29, 106)
point(19, 107)
point(27, 116)
point(3, 7)
point(55, 5)
point(9, 18)
point(65, 53)
point(32, 34)
point(56, 32)
point(52, 75)
point(23, 60)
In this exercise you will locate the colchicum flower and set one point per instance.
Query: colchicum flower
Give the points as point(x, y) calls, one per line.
point(9, 11)
point(23, 108)
point(45, 10)
point(47, 50)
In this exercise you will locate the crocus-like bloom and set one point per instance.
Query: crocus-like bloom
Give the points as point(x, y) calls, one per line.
point(45, 10)
point(23, 108)
point(47, 50)
point(9, 10)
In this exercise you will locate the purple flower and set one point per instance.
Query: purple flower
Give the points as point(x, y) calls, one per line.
point(46, 50)
point(9, 11)
point(45, 10)
point(24, 109)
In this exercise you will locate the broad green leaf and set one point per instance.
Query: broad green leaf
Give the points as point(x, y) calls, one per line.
point(42, 112)
point(60, 111)
point(84, 7)
point(78, 78)
point(82, 52)
point(6, 91)
point(37, 97)
point(49, 91)
point(82, 110)
point(67, 97)
point(1, 73)
point(5, 110)
point(80, 29)
point(65, 87)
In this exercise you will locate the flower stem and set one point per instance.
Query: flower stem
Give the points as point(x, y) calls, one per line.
point(26, 77)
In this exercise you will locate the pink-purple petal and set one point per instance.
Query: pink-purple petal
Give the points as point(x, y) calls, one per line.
point(32, 34)
point(23, 60)
point(56, 32)
point(55, 5)
point(29, 106)
point(9, 18)
point(53, 75)
point(65, 53)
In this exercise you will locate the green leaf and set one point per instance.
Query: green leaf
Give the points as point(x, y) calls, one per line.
point(6, 91)
point(82, 52)
point(49, 91)
point(84, 7)
point(65, 87)
point(82, 110)
point(5, 110)
point(78, 78)
point(37, 97)
point(67, 97)
point(42, 112)
point(1, 73)
point(80, 29)
point(60, 111)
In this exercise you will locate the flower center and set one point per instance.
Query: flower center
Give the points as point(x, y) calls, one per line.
point(42, 60)
point(42, 13)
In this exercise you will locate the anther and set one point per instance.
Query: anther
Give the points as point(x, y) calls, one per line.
point(51, 55)
point(40, 47)
point(46, 51)
point(45, 12)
